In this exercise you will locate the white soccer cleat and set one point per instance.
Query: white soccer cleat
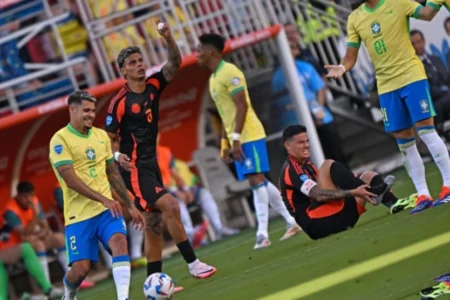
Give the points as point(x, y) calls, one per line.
point(55, 293)
point(202, 270)
point(261, 242)
point(291, 231)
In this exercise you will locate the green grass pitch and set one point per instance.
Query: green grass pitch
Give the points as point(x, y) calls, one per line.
point(383, 257)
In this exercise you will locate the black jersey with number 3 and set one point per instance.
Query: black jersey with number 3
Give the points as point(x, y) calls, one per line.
point(134, 116)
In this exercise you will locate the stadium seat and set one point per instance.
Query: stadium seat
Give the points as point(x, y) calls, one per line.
point(225, 188)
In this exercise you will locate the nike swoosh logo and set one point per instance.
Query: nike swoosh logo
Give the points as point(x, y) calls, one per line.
point(101, 142)
point(389, 12)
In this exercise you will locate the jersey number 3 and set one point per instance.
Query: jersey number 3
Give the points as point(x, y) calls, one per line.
point(380, 47)
point(149, 115)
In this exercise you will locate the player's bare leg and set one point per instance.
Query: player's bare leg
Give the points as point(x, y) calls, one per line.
point(121, 267)
point(72, 280)
point(154, 243)
point(169, 206)
point(438, 150)
point(414, 166)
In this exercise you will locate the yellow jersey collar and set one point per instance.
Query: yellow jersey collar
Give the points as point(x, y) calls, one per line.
point(371, 10)
point(222, 62)
point(74, 131)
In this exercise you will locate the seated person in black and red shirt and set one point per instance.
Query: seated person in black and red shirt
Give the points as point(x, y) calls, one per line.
point(330, 199)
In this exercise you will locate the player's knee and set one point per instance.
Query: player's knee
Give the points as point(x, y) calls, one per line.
point(118, 244)
point(80, 270)
point(367, 176)
point(404, 134)
point(173, 209)
point(36, 243)
point(326, 165)
point(58, 239)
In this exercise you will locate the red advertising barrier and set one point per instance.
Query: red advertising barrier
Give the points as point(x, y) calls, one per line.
point(25, 136)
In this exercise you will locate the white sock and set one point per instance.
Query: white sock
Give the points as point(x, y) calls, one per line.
point(261, 202)
point(136, 241)
point(438, 150)
point(193, 264)
point(44, 263)
point(277, 203)
point(106, 256)
point(70, 291)
point(414, 165)
point(209, 207)
point(62, 258)
point(186, 220)
point(121, 270)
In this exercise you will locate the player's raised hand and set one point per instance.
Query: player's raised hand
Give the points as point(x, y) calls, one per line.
point(362, 192)
point(125, 162)
point(138, 220)
point(114, 207)
point(237, 152)
point(335, 71)
point(163, 29)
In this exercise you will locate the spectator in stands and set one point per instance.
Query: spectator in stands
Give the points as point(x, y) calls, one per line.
point(187, 180)
point(438, 78)
point(183, 195)
point(314, 89)
point(12, 252)
point(303, 54)
point(25, 215)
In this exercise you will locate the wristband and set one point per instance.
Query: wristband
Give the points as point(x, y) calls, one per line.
point(343, 68)
point(116, 155)
point(224, 143)
point(235, 136)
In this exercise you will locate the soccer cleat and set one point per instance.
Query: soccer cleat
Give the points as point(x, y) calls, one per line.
point(64, 298)
point(422, 203)
point(388, 183)
point(261, 242)
point(229, 231)
point(178, 289)
point(291, 231)
point(202, 271)
point(199, 235)
point(139, 262)
point(444, 196)
point(404, 203)
point(86, 284)
point(435, 291)
point(55, 293)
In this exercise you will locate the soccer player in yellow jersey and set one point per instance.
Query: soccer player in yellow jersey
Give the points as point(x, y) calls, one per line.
point(405, 102)
point(83, 162)
point(244, 132)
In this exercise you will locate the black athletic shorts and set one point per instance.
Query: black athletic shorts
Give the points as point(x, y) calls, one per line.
point(344, 219)
point(145, 183)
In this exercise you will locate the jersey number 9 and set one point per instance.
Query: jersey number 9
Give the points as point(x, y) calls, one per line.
point(149, 115)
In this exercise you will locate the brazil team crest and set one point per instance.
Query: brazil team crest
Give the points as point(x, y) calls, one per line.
point(90, 153)
point(376, 27)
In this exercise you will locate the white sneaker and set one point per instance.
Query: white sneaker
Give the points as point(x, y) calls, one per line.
point(55, 293)
point(290, 232)
point(261, 242)
point(202, 270)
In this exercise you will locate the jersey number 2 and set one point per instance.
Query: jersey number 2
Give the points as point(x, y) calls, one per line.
point(380, 47)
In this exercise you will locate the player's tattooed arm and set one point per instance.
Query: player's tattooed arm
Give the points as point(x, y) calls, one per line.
point(73, 182)
point(328, 195)
point(173, 64)
point(116, 182)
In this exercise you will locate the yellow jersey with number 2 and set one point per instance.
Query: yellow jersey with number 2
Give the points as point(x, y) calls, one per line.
point(89, 155)
point(384, 30)
point(225, 82)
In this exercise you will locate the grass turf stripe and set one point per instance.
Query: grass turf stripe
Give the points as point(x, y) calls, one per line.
point(368, 266)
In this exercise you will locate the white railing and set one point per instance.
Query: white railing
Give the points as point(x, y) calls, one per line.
point(64, 68)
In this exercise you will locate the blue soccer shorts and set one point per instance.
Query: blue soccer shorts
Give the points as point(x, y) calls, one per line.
point(255, 161)
point(82, 238)
point(405, 106)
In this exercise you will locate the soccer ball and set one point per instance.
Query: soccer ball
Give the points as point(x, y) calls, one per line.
point(159, 286)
